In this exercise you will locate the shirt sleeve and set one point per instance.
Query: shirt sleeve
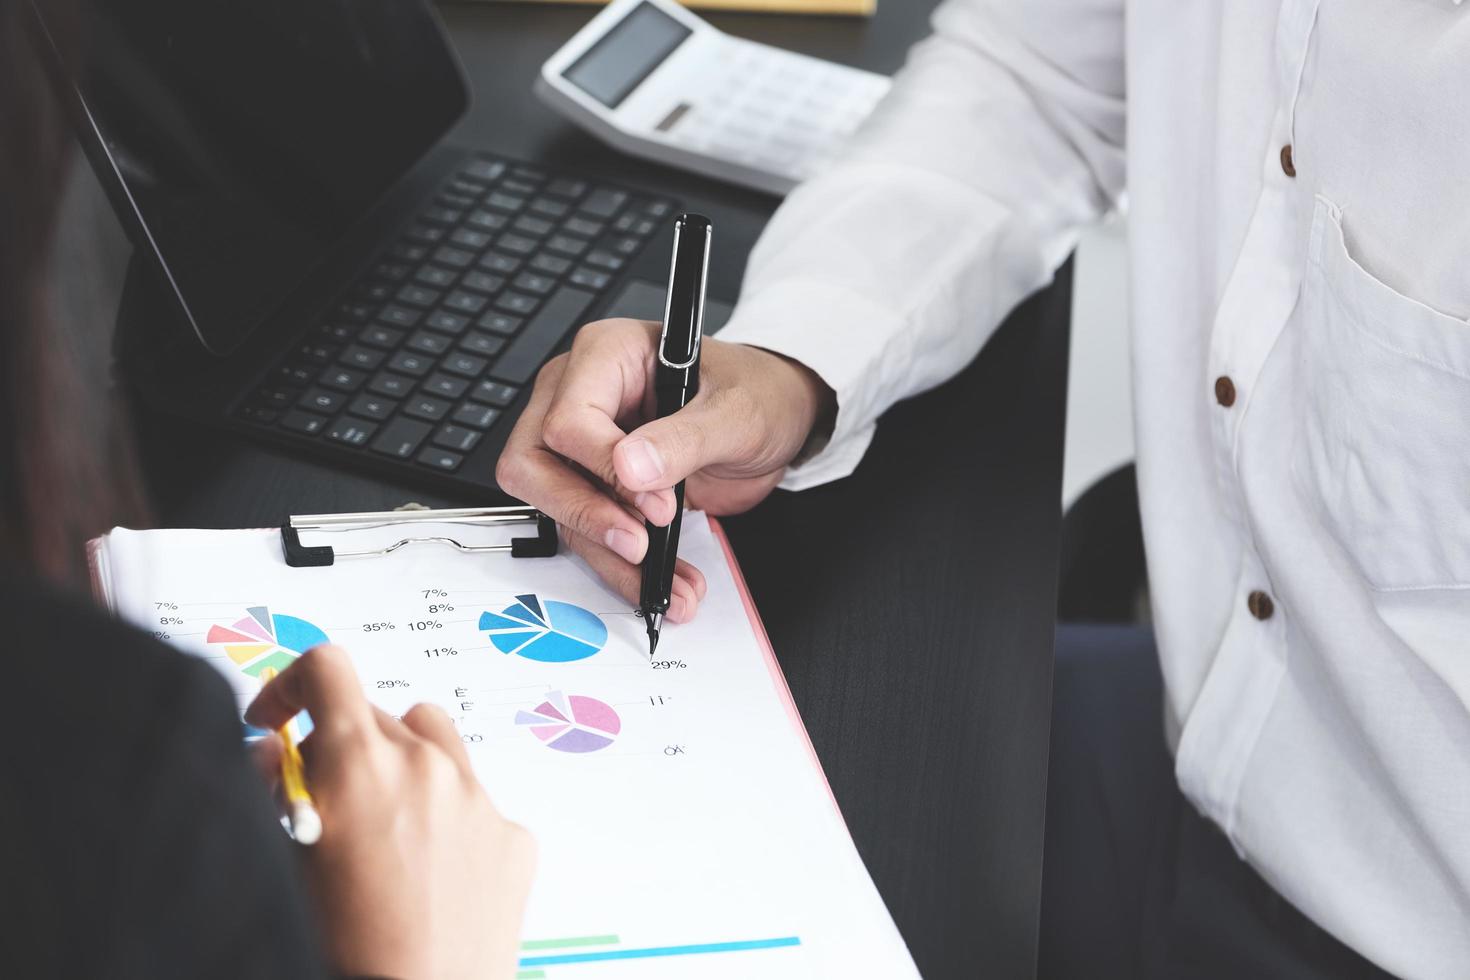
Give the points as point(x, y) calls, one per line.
point(960, 196)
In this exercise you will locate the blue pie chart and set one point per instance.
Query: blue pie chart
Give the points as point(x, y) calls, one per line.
point(548, 631)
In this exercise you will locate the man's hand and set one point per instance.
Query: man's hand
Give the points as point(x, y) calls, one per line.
point(583, 454)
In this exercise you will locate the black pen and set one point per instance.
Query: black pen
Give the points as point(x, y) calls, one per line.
point(675, 383)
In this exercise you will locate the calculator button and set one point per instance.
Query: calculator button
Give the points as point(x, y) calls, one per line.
point(486, 170)
point(467, 365)
point(425, 407)
point(590, 278)
point(353, 432)
point(604, 203)
point(303, 422)
point(440, 459)
point(481, 282)
point(400, 438)
point(428, 343)
point(551, 264)
point(373, 407)
point(482, 343)
point(399, 316)
point(475, 416)
point(501, 323)
point(463, 302)
point(494, 393)
point(432, 275)
point(456, 437)
point(495, 262)
point(343, 379)
point(392, 385)
point(445, 386)
point(321, 400)
point(562, 187)
point(487, 220)
point(378, 335)
point(447, 322)
point(469, 238)
point(516, 303)
point(414, 295)
point(409, 363)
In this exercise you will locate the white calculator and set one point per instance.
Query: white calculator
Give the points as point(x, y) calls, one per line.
point(654, 80)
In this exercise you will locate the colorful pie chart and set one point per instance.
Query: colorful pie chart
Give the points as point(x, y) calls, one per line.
point(572, 722)
point(547, 631)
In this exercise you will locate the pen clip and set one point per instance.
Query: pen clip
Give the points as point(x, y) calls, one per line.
point(698, 312)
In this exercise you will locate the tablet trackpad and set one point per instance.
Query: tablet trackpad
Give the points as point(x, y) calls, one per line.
point(644, 300)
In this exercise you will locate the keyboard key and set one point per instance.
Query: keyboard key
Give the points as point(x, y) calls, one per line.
point(356, 312)
point(469, 238)
point(276, 397)
point(467, 365)
point(482, 343)
point(475, 416)
point(428, 343)
point(455, 258)
point(375, 292)
point(520, 186)
point(321, 400)
point(440, 459)
point(447, 322)
point(563, 187)
point(460, 201)
point(504, 202)
point(296, 374)
point(365, 358)
point(407, 362)
point(532, 283)
point(552, 264)
point(584, 227)
point(373, 407)
point(303, 422)
point(528, 173)
point(426, 408)
point(548, 208)
point(445, 386)
point(605, 260)
point(483, 170)
point(636, 224)
point(341, 332)
point(343, 379)
point(400, 438)
point(463, 302)
point(526, 354)
point(481, 282)
point(469, 188)
point(487, 220)
point(604, 203)
point(495, 262)
point(590, 278)
point(533, 226)
point(494, 393)
point(414, 295)
point(351, 431)
point(399, 316)
point(501, 323)
point(516, 303)
point(317, 353)
point(259, 414)
point(392, 385)
point(456, 437)
point(408, 251)
point(424, 234)
point(567, 245)
point(516, 244)
point(432, 275)
point(441, 215)
point(658, 209)
point(378, 335)
point(626, 246)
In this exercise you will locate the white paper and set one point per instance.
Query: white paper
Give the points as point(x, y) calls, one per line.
point(684, 826)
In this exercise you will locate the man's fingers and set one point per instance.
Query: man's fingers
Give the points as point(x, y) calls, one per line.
point(322, 682)
point(625, 579)
point(432, 724)
point(573, 502)
point(709, 431)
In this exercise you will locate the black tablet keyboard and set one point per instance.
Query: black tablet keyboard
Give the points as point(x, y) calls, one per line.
point(448, 325)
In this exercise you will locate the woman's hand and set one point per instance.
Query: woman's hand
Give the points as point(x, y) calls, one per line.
point(582, 454)
point(416, 875)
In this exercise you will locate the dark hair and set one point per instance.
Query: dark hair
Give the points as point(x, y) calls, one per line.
point(59, 482)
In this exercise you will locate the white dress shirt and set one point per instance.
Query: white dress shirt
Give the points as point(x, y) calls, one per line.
point(1302, 363)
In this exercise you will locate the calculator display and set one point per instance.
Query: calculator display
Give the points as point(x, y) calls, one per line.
point(627, 54)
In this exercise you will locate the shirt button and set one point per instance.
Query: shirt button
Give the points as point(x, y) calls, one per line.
point(1260, 605)
point(1224, 391)
point(1288, 166)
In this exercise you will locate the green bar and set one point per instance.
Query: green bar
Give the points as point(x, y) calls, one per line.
point(570, 942)
point(531, 975)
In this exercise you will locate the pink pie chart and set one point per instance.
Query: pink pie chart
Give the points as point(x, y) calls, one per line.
point(572, 722)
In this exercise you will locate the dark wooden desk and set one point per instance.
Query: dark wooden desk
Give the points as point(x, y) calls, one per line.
point(911, 605)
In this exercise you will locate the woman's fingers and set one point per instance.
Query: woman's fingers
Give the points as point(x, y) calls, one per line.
point(430, 723)
point(323, 683)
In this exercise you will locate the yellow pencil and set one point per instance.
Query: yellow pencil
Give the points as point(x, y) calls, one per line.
point(306, 823)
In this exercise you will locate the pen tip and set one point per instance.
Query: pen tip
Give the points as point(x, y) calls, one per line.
point(654, 622)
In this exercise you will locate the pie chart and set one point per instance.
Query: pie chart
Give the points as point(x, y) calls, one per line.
point(264, 639)
point(572, 722)
point(547, 631)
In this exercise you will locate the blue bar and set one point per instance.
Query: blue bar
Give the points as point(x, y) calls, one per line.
point(653, 951)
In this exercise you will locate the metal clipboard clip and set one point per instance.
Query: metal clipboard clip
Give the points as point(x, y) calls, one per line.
point(298, 555)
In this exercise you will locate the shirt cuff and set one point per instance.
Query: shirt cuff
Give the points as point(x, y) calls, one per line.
point(842, 337)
